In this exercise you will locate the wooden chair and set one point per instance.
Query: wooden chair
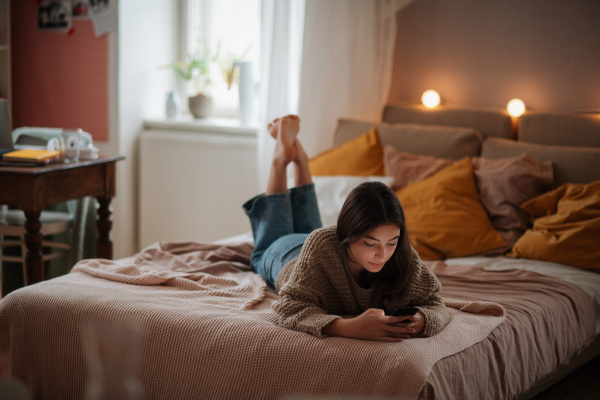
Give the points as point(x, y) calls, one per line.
point(12, 225)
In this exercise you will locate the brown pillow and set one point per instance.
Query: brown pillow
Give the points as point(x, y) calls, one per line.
point(407, 168)
point(504, 184)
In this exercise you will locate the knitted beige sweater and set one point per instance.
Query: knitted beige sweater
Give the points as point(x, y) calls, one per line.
point(317, 288)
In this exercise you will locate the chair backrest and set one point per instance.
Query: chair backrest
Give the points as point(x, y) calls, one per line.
point(6, 141)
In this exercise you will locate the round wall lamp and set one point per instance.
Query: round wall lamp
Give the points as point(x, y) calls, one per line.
point(515, 107)
point(430, 98)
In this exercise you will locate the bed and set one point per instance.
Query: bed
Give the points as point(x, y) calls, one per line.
point(191, 320)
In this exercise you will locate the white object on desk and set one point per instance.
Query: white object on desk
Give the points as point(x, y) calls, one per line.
point(72, 145)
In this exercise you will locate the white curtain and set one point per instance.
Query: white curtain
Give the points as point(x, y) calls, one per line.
point(346, 64)
point(281, 49)
point(323, 60)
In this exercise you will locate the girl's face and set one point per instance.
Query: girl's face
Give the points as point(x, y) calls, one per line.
point(372, 251)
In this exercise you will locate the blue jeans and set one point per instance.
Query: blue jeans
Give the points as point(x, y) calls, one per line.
point(280, 224)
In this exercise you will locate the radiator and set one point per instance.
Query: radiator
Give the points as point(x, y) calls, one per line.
point(192, 185)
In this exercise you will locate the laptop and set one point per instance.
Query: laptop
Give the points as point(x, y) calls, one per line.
point(6, 140)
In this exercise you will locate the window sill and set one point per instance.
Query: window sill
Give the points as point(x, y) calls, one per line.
point(231, 126)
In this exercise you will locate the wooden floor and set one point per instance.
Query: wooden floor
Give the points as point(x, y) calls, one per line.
point(583, 384)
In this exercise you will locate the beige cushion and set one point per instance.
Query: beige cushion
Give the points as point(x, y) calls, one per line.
point(571, 164)
point(560, 129)
point(348, 129)
point(496, 123)
point(437, 141)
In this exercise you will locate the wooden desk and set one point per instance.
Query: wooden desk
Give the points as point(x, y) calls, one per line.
point(31, 189)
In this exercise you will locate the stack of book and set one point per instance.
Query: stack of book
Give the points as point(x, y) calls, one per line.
point(32, 157)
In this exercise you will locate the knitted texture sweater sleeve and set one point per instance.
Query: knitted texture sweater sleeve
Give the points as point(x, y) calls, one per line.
point(313, 288)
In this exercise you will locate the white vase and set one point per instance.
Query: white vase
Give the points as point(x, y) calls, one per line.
point(173, 105)
point(246, 92)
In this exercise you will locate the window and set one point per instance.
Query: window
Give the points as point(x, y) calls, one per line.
point(232, 27)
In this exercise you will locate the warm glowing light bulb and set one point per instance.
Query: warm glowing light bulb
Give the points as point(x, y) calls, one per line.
point(430, 98)
point(515, 107)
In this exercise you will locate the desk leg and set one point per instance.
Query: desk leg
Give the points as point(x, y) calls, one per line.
point(34, 262)
point(104, 246)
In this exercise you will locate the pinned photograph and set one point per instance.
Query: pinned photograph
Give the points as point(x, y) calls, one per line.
point(103, 16)
point(99, 5)
point(55, 16)
point(80, 9)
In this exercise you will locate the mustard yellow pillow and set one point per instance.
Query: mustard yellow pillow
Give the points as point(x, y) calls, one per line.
point(444, 217)
point(566, 227)
point(362, 156)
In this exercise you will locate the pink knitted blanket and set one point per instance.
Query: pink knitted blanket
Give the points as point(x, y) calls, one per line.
point(209, 332)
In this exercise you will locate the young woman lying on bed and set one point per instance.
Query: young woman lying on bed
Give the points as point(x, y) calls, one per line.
point(364, 266)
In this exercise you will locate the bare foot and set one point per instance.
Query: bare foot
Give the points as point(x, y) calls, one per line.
point(273, 127)
point(292, 121)
point(285, 130)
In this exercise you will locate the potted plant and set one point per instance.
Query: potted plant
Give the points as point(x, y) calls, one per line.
point(196, 71)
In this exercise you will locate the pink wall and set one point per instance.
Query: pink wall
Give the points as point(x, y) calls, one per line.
point(58, 80)
point(483, 53)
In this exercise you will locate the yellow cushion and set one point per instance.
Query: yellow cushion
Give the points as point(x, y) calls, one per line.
point(566, 227)
point(444, 216)
point(362, 156)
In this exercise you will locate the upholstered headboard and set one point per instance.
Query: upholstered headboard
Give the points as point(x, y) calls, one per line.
point(488, 122)
point(581, 130)
point(433, 140)
point(570, 141)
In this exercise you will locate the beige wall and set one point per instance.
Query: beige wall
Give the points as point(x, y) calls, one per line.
point(485, 52)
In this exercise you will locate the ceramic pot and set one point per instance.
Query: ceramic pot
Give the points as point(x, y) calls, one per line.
point(201, 106)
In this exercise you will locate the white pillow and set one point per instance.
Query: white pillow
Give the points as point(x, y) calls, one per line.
point(333, 190)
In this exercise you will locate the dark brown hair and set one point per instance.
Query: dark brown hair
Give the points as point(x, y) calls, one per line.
point(368, 206)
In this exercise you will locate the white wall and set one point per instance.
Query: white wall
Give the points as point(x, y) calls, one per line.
point(146, 38)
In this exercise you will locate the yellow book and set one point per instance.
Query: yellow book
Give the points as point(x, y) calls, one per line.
point(32, 156)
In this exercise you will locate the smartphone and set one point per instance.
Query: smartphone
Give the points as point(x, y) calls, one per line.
point(404, 311)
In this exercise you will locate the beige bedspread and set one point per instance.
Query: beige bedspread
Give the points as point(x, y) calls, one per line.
point(209, 331)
